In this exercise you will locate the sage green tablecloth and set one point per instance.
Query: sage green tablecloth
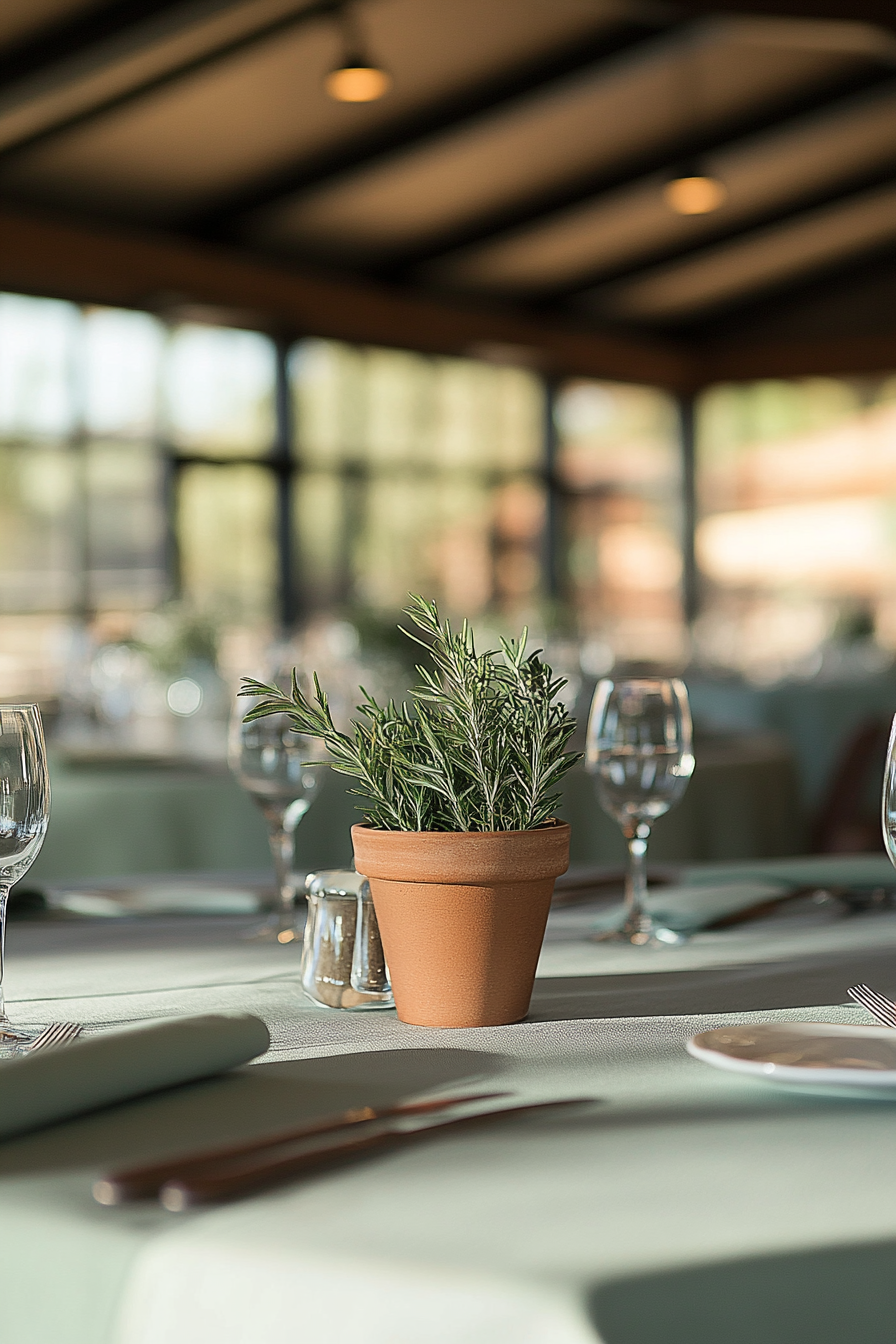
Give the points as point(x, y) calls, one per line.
point(686, 1206)
point(108, 820)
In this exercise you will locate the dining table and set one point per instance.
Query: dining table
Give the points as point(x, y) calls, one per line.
point(817, 715)
point(677, 1204)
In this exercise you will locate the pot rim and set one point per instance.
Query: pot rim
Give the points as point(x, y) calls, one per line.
point(552, 824)
point(466, 858)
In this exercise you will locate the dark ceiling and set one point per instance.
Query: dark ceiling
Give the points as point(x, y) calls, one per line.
point(518, 162)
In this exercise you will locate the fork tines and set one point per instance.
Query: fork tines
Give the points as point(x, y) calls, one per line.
point(877, 1005)
point(56, 1034)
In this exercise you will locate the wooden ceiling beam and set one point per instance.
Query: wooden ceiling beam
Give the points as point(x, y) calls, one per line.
point(882, 12)
point(834, 357)
point(59, 70)
point(542, 206)
point(181, 278)
point(89, 40)
point(758, 224)
point(459, 110)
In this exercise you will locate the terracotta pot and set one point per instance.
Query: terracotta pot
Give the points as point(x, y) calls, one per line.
point(462, 917)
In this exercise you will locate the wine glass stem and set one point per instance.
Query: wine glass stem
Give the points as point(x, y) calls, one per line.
point(282, 853)
point(282, 835)
point(636, 917)
point(4, 898)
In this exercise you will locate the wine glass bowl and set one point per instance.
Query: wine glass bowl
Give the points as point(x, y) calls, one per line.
point(281, 771)
point(24, 814)
point(888, 797)
point(639, 750)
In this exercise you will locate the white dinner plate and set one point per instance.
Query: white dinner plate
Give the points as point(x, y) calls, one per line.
point(814, 1056)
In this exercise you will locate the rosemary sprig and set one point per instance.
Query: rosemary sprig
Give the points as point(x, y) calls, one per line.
point(482, 749)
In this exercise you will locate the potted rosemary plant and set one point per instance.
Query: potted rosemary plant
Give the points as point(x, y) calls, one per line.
point(459, 844)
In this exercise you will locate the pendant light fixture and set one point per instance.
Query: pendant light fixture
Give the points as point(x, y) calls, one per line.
point(693, 190)
point(357, 78)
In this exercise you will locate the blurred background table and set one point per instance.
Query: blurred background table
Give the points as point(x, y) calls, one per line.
point(816, 718)
point(133, 816)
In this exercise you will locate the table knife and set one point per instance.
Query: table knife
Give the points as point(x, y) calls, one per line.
point(233, 1177)
point(145, 1181)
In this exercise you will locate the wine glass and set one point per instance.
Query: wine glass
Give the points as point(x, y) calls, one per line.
point(640, 752)
point(888, 798)
point(281, 771)
point(24, 813)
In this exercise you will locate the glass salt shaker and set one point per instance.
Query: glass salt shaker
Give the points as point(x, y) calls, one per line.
point(342, 956)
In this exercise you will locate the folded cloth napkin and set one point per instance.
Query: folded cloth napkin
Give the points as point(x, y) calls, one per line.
point(128, 1062)
point(705, 894)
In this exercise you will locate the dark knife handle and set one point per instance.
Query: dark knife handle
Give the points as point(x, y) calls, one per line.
point(145, 1181)
point(211, 1185)
point(232, 1179)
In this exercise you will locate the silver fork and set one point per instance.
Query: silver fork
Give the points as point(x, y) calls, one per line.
point(882, 1008)
point(56, 1034)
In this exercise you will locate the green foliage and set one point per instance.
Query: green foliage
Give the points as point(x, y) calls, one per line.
point(175, 637)
point(482, 749)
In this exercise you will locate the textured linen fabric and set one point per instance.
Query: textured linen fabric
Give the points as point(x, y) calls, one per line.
point(523, 1237)
point(552, 1229)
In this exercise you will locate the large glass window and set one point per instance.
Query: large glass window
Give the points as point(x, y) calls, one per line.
point(107, 506)
point(797, 533)
point(618, 473)
point(141, 462)
point(218, 410)
point(38, 343)
point(416, 472)
point(227, 541)
point(82, 523)
point(119, 355)
point(218, 389)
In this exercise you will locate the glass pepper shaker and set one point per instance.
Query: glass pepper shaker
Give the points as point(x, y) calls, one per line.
point(342, 956)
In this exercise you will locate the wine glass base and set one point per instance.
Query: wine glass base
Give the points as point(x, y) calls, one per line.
point(16, 1038)
point(276, 929)
point(654, 935)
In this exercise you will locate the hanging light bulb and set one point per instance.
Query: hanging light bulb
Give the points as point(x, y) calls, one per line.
point(694, 191)
point(356, 79)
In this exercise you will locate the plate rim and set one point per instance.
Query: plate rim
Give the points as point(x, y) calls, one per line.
point(792, 1073)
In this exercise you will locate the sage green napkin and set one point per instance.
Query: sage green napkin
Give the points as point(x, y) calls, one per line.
point(811, 870)
point(128, 1062)
point(708, 893)
point(687, 909)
